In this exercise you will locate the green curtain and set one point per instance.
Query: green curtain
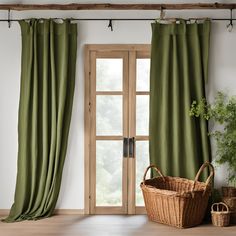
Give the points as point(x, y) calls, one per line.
point(46, 97)
point(179, 144)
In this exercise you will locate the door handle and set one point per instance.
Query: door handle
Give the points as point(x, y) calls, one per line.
point(131, 147)
point(125, 147)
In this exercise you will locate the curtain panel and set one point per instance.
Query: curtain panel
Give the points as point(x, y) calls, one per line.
point(46, 96)
point(179, 144)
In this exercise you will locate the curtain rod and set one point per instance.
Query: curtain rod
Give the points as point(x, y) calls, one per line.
point(108, 6)
point(110, 25)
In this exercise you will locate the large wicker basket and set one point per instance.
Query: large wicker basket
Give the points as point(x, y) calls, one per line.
point(176, 201)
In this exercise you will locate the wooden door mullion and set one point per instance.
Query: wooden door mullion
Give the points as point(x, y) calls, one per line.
point(132, 125)
point(125, 127)
point(92, 195)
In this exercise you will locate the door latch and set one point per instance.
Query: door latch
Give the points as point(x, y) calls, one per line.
point(125, 147)
point(128, 147)
point(131, 147)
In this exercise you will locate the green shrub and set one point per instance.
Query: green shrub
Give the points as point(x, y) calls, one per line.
point(223, 112)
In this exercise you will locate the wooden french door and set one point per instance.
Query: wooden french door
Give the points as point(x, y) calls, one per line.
point(116, 127)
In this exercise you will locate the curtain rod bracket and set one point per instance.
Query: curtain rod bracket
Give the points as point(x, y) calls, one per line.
point(230, 25)
point(110, 25)
point(162, 13)
point(9, 18)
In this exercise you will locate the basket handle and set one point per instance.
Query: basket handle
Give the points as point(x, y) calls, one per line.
point(212, 172)
point(156, 169)
point(217, 206)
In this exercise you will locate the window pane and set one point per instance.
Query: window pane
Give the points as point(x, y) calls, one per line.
point(109, 173)
point(109, 115)
point(143, 74)
point(142, 115)
point(142, 162)
point(109, 73)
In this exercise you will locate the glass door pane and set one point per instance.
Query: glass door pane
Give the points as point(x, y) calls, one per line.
point(142, 74)
point(142, 162)
point(142, 115)
point(109, 115)
point(109, 173)
point(109, 74)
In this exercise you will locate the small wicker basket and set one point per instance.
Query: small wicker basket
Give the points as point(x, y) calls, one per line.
point(220, 214)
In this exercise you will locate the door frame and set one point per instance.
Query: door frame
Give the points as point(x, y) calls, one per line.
point(89, 50)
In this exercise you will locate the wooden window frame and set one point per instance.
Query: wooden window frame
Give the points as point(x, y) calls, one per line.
point(134, 51)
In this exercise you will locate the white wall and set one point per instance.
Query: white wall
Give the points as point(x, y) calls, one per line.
point(222, 76)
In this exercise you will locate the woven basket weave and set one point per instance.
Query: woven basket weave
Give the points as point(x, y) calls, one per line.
point(176, 201)
point(229, 191)
point(220, 214)
point(230, 202)
point(233, 217)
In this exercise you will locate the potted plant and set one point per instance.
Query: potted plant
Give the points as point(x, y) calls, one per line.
point(222, 112)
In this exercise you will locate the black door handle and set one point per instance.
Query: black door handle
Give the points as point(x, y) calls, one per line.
point(125, 147)
point(131, 147)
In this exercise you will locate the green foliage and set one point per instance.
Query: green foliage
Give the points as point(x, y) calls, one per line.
point(223, 112)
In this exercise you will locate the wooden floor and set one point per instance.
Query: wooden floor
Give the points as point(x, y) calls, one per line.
point(72, 225)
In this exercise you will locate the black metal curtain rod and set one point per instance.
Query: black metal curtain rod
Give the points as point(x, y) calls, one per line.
point(110, 25)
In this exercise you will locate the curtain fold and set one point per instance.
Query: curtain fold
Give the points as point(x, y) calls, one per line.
point(46, 96)
point(179, 144)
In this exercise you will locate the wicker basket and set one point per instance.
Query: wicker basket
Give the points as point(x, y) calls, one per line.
point(230, 202)
point(220, 214)
point(176, 201)
point(229, 191)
